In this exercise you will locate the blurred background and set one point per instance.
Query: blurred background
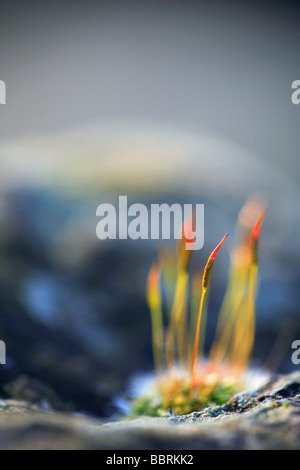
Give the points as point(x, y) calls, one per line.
point(163, 102)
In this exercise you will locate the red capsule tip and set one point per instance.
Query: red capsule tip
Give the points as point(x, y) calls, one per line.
point(213, 254)
point(257, 227)
point(154, 276)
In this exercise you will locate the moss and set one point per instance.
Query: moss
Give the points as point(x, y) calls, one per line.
point(175, 398)
point(177, 347)
point(274, 405)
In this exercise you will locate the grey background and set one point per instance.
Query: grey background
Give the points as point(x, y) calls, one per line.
point(225, 67)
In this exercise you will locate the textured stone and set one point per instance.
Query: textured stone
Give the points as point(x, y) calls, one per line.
point(266, 419)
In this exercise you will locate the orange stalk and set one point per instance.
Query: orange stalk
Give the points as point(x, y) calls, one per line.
point(205, 284)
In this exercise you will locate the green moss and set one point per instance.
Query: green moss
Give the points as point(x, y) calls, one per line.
point(180, 402)
point(274, 405)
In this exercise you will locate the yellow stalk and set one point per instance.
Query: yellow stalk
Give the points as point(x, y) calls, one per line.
point(230, 313)
point(196, 296)
point(247, 339)
point(195, 352)
point(245, 334)
point(178, 308)
point(154, 302)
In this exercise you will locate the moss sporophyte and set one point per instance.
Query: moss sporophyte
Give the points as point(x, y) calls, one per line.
point(185, 381)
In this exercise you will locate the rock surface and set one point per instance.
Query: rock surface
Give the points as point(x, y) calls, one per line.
point(268, 418)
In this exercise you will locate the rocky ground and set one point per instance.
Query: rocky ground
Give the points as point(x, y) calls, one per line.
point(266, 419)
